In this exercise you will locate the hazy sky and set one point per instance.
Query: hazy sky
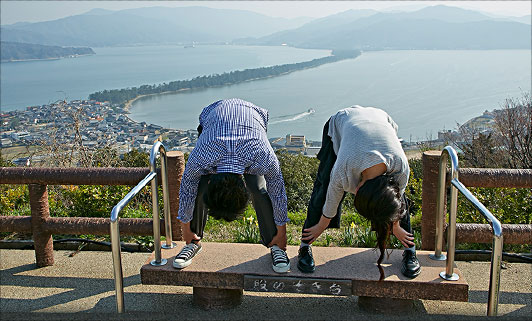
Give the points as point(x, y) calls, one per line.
point(33, 11)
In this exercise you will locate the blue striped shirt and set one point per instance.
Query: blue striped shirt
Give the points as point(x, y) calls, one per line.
point(233, 140)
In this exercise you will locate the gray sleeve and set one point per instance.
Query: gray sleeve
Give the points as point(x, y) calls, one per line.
point(402, 178)
point(335, 192)
point(394, 125)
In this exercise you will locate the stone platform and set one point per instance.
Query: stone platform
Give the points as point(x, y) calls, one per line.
point(339, 271)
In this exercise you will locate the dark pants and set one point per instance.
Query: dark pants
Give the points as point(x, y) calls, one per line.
point(256, 186)
point(327, 159)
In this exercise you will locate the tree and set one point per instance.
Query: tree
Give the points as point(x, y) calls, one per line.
point(513, 126)
point(507, 144)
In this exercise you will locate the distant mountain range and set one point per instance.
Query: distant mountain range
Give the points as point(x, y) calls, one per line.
point(435, 27)
point(154, 25)
point(13, 51)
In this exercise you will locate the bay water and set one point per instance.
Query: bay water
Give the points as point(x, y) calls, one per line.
point(424, 91)
point(38, 82)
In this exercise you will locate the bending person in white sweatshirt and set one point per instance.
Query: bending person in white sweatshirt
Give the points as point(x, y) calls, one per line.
point(361, 154)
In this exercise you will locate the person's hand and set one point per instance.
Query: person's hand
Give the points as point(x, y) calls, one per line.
point(312, 233)
point(188, 235)
point(280, 238)
point(407, 239)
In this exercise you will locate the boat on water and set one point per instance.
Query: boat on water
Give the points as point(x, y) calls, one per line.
point(311, 111)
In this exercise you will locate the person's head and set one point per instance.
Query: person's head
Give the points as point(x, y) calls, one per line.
point(226, 197)
point(379, 201)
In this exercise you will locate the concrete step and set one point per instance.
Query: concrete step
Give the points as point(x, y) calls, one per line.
point(339, 271)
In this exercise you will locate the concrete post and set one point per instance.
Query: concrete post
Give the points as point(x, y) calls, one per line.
point(44, 246)
point(176, 167)
point(431, 162)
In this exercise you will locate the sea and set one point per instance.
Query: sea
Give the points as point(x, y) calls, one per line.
point(424, 91)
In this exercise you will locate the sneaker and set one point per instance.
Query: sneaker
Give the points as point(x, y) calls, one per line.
point(184, 258)
point(280, 261)
point(411, 267)
point(305, 260)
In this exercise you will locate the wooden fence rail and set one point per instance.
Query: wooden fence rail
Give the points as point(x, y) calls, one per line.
point(471, 177)
point(42, 226)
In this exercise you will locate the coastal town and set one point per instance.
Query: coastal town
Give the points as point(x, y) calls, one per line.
point(95, 125)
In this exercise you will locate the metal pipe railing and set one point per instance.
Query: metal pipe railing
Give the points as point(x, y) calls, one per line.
point(115, 240)
point(158, 148)
point(496, 257)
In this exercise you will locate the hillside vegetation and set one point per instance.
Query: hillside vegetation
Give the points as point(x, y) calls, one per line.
point(13, 51)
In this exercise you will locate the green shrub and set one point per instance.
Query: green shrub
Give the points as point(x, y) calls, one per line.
point(299, 173)
point(508, 205)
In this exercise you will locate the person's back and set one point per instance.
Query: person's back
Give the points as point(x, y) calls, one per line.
point(234, 119)
point(233, 135)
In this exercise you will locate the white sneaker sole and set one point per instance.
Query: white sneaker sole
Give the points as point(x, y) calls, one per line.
point(184, 264)
point(282, 269)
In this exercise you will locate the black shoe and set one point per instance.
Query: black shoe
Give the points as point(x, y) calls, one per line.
point(410, 267)
point(305, 261)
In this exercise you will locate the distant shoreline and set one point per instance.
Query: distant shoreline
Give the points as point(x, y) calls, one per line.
point(129, 103)
point(44, 59)
point(127, 96)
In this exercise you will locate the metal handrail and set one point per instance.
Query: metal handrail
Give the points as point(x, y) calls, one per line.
point(496, 255)
point(158, 148)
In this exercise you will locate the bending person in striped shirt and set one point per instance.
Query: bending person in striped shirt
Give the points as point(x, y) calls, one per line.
point(361, 154)
point(232, 162)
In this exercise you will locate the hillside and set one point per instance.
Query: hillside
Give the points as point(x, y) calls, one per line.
point(12, 51)
point(436, 27)
point(153, 25)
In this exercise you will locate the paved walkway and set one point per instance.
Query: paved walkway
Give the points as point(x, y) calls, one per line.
point(81, 287)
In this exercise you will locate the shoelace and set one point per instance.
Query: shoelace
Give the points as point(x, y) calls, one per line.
point(279, 256)
point(188, 251)
point(308, 249)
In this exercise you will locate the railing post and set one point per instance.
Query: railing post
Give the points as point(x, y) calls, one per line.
point(166, 199)
point(431, 161)
point(451, 234)
point(176, 167)
point(117, 261)
point(42, 240)
point(495, 275)
point(155, 206)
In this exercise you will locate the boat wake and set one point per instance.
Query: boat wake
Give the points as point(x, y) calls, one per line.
point(292, 117)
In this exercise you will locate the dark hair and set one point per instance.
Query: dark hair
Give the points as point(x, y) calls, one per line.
point(379, 201)
point(226, 197)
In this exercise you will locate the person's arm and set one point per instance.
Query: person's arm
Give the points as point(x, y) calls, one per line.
point(407, 239)
point(188, 190)
point(276, 191)
point(188, 235)
point(335, 192)
point(312, 233)
point(280, 238)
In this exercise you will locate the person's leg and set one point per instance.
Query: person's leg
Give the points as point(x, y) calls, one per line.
point(199, 219)
point(410, 265)
point(327, 159)
point(256, 186)
point(197, 225)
